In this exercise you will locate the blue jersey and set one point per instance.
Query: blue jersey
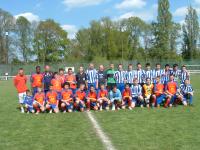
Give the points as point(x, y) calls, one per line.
point(115, 95)
point(91, 75)
point(183, 76)
point(136, 90)
point(130, 75)
point(140, 75)
point(28, 100)
point(185, 89)
point(149, 74)
point(120, 76)
point(157, 73)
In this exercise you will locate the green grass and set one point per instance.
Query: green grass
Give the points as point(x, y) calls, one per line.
point(155, 129)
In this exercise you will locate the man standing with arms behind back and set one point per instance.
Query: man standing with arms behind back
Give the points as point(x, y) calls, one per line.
point(20, 84)
point(47, 75)
point(110, 77)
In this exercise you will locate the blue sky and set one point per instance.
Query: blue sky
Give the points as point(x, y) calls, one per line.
point(74, 14)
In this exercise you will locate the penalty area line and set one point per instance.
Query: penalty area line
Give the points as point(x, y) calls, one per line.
point(103, 137)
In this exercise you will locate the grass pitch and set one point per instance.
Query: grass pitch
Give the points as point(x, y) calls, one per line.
point(139, 129)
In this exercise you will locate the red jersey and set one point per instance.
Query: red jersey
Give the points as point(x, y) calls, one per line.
point(40, 98)
point(103, 93)
point(81, 95)
point(92, 95)
point(52, 97)
point(57, 84)
point(20, 83)
point(37, 80)
point(126, 93)
point(66, 94)
point(159, 89)
point(171, 87)
point(71, 79)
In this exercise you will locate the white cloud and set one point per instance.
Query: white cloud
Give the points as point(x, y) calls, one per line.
point(143, 15)
point(180, 12)
point(30, 16)
point(71, 29)
point(81, 3)
point(129, 4)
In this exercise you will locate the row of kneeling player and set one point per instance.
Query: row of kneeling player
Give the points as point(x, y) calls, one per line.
point(148, 95)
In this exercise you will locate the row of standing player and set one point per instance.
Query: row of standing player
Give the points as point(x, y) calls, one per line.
point(56, 86)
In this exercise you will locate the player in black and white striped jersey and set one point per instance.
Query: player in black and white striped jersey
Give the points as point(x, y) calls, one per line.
point(91, 75)
point(176, 72)
point(184, 74)
point(157, 72)
point(120, 77)
point(130, 75)
point(148, 72)
point(140, 74)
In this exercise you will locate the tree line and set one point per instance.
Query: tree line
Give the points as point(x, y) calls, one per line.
point(22, 41)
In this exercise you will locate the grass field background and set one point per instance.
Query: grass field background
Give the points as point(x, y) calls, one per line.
point(154, 129)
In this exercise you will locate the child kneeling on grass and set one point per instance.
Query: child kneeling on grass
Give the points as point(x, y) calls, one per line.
point(91, 102)
point(28, 102)
point(187, 93)
point(103, 100)
point(39, 100)
point(80, 98)
point(66, 98)
point(52, 101)
point(127, 97)
point(115, 97)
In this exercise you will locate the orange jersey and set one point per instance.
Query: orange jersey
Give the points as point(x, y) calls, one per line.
point(126, 93)
point(80, 94)
point(37, 80)
point(62, 78)
point(172, 87)
point(148, 89)
point(52, 97)
point(92, 95)
point(66, 94)
point(159, 89)
point(71, 79)
point(40, 98)
point(57, 84)
point(20, 83)
point(103, 93)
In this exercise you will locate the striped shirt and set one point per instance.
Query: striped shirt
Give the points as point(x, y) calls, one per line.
point(120, 76)
point(183, 76)
point(136, 90)
point(176, 74)
point(140, 75)
point(186, 88)
point(165, 76)
point(91, 76)
point(130, 75)
point(157, 73)
point(149, 74)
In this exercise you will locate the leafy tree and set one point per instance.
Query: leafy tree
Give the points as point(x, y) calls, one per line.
point(190, 34)
point(50, 41)
point(24, 35)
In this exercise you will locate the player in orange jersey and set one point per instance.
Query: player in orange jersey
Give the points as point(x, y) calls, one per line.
point(66, 98)
point(127, 97)
point(92, 99)
point(103, 100)
point(71, 78)
point(172, 91)
point(39, 100)
point(80, 98)
point(52, 100)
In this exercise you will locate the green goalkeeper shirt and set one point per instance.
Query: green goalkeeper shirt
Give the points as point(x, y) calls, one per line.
point(110, 76)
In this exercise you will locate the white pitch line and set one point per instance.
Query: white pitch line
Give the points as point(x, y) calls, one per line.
point(104, 138)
